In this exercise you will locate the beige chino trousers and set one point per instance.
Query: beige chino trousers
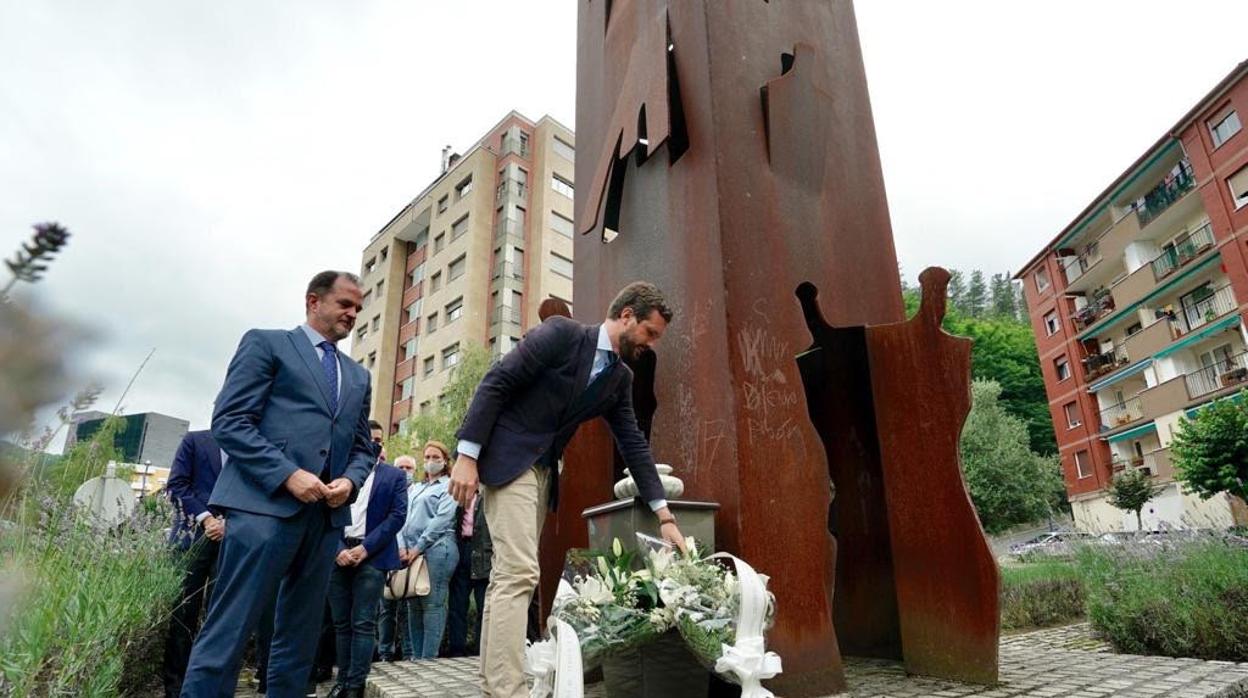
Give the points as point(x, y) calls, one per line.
point(515, 513)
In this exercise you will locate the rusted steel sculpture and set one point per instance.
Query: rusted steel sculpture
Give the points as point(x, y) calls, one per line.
point(726, 152)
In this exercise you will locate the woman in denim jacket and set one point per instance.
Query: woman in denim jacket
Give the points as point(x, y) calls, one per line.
point(430, 533)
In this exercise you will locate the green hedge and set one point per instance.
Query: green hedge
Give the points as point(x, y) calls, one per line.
point(91, 618)
point(1040, 595)
point(1183, 600)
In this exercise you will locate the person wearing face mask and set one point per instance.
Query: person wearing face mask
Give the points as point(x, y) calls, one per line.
point(430, 532)
point(393, 641)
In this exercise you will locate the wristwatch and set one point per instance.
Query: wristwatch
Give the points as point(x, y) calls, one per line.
point(668, 520)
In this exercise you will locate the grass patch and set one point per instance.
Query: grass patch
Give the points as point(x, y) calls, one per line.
point(1040, 595)
point(1186, 600)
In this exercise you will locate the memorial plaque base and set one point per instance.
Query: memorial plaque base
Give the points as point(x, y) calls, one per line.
point(626, 517)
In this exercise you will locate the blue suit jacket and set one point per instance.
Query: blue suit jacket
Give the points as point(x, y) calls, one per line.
point(524, 406)
point(195, 468)
point(273, 418)
point(387, 510)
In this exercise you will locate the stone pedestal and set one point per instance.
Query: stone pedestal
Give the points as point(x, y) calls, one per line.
point(623, 518)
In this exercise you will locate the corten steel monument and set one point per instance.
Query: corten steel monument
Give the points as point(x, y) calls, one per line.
point(726, 151)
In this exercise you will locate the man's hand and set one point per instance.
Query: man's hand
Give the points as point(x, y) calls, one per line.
point(345, 558)
point(358, 554)
point(338, 492)
point(306, 487)
point(214, 527)
point(671, 533)
point(464, 480)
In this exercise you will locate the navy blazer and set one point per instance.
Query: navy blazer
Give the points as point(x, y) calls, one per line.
point(387, 511)
point(523, 406)
point(195, 468)
point(273, 417)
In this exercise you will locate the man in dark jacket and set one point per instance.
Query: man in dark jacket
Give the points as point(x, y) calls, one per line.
point(524, 412)
point(470, 580)
point(196, 535)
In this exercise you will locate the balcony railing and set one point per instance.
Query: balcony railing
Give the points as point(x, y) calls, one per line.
point(1168, 191)
point(518, 146)
point(1104, 363)
point(507, 226)
point(505, 314)
point(1206, 310)
point(1076, 267)
point(1150, 462)
point(1102, 304)
point(509, 186)
point(1121, 414)
point(1191, 248)
point(509, 270)
point(1224, 373)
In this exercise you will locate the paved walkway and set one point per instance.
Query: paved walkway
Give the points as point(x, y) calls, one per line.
point(1065, 662)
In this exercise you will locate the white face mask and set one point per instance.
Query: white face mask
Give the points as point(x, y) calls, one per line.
point(434, 467)
point(409, 475)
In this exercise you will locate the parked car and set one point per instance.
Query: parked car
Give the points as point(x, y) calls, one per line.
point(1054, 544)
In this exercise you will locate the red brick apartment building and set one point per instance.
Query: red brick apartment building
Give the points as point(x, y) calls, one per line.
point(1138, 310)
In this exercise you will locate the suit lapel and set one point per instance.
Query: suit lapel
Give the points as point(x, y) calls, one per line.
point(349, 384)
point(586, 352)
point(304, 348)
point(214, 456)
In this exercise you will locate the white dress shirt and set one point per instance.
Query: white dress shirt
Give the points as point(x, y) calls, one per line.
point(359, 510)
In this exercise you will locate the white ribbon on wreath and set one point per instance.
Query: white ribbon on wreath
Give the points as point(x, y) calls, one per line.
point(555, 663)
point(748, 658)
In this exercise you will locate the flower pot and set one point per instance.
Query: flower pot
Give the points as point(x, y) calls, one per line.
point(658, 670)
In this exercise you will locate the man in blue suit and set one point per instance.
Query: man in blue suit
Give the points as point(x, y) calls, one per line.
point(196, 535)
point(292, 419)
point(369, 549)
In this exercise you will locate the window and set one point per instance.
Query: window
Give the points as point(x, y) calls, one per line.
point(450, 356)
point(428, 366)
point(1223, 126)
point(562, 225)
point(376, 323)
point(1134, 328)
point(1063, 368)
point(561, 265)
point(1072, 414)
point(455, 269)
point(459, 227)
point(422, 238)
point(1238, 184)
point(1042, 280)
point(372, 359)
point(439, 242)
point(564, 150)
point(409, 349)
point(561, 185)
point(370, 265)
point(426, 406)
point(361, 333)
point(431, 323)
point(405, 392)
point(454, 310)
point(435, 282)
point(381, 285)
point(418, 274)
point(1083, 464)
point(1051, 323)
point(368, 298)
point(385, 252)
point(463, 188)
point(413, 310)
point(442, 204)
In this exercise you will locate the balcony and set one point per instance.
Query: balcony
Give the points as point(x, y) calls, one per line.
point(1104, 363)
point(508, 270)
point(1168, 191)
point(1173, 258)
point(1154, 464)
point(1075, 267)
point(1224, 373)
point(1100, 305)
point(519, 146)
point(1121, 414)
point(503, 314)
point(1205, 310)
point(512, 187)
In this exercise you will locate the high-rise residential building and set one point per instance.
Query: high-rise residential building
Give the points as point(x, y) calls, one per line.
point(467, 261)
point(1138, 310)
point(142, 437)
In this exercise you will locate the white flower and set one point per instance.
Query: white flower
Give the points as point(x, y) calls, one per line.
point(617, 548)
point(595, 591)
point(660, 560)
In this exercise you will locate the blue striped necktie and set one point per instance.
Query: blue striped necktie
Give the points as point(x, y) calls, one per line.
point(329, 363)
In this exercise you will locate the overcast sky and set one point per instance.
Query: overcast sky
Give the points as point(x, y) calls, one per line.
point(208, 156)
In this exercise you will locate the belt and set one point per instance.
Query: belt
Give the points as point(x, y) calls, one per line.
point(352, 542)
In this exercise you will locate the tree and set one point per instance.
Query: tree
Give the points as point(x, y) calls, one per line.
point(1211, 449)
point(976, 301)
point(957, 291)
point(1130, 491)
point(1008, 483)
point(1002, 293)
point(441, 423)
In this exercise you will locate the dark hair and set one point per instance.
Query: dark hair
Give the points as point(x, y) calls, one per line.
point(324, 281)
point(374, 424)
point(644, 298)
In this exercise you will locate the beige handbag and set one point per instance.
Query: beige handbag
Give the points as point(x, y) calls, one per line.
point(410, 581)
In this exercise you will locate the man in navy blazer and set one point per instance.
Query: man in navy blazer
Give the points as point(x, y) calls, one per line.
point(369, 549)
point(196, 533)
point(524, 412)
point(292, 419)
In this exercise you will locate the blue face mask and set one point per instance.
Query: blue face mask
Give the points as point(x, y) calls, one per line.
point(409, 475)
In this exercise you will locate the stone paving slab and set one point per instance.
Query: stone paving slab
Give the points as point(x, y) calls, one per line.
point(1067, 662)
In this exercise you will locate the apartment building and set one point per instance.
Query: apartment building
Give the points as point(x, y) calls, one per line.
point(1138, 310)
point(467, 261)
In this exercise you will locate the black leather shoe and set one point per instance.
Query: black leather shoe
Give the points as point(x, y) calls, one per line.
point(336, 691)
point(352, 693)
point(323, 674)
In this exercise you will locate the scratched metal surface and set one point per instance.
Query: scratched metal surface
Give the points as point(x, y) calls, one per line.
point(765, 175)
point(946, 577)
